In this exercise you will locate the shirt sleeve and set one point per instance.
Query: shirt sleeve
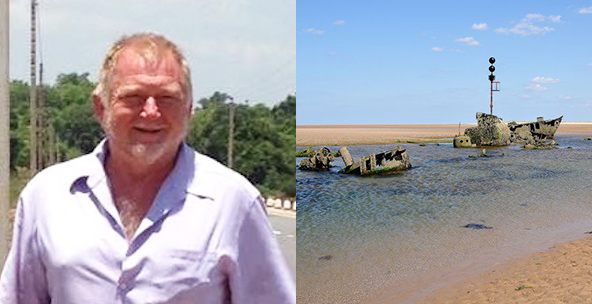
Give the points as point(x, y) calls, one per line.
point(262, 274)
point(23, 279)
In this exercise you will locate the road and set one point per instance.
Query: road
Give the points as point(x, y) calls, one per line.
point(284, 227)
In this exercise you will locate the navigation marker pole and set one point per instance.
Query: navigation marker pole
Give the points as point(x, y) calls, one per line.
point(494, 85)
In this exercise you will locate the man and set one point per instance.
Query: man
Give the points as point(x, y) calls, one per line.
point(143, 218)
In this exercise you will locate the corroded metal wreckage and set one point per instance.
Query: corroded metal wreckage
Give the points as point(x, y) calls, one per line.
point(490, 131)
point(463, 141)
point(386, 162)
point(320, 161)
point(540, 133)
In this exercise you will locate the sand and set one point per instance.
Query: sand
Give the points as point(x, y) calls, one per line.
point(562, 274)
point(334, 135)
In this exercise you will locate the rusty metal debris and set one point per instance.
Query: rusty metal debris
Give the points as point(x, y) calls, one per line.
point(320, 161)
point(386, 162)
point(536, 134)
point(490, 131)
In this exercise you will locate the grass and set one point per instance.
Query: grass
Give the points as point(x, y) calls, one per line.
point(18, 180)
point(522, 287)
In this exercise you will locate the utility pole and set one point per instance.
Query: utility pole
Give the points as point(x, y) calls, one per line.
point(4, 132)
point(42, 161)
point(43, 141)
point(33, 96)
point(230, 130)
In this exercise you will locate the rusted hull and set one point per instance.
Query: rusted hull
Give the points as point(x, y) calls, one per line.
point(534, 132)
point(379, 163)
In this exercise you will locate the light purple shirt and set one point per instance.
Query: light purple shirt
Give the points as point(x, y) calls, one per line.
point(206, 239)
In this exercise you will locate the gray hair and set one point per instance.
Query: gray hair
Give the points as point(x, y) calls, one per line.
point(150, 46)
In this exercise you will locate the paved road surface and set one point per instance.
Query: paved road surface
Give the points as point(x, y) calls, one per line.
point(284, 227)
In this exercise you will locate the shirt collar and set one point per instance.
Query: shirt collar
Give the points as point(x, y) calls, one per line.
point(190, 175)
point(187, 174)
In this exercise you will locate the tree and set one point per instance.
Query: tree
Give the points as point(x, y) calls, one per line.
point(264, 140)
point(263, 143)
point(70, 108)
point(19, 124)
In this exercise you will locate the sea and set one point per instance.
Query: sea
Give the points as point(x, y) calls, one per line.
point(403, 236)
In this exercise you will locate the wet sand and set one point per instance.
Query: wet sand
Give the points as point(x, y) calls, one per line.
point(562, 274)
point(335, 135)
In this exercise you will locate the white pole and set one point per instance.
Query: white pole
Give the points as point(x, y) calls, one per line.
point(4, 132)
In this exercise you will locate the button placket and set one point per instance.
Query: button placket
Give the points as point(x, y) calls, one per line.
point(129, 272)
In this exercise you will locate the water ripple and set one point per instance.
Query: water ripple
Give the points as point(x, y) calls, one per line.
point(383, 225)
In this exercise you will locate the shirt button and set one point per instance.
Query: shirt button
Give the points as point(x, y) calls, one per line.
point(122, 286)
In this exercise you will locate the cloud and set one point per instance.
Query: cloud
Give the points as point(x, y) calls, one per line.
point(480, 26)
point(468, 41)
point(536, 87)
point(585, 10)
point(531, 25)
point(544, 80)
point(540, 83)
point(339, 22)
point(437, 49)
point(567, 98)
point(554, 19)
point(314, 31)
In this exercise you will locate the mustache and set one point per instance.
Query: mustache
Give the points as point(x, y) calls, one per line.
point(150, 127)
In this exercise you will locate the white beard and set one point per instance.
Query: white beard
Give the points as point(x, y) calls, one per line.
point(148, 153)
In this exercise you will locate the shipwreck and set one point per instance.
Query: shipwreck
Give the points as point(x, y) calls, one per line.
point(491, 131)
point(538, 133)
point(318, 161)
point(386, 162)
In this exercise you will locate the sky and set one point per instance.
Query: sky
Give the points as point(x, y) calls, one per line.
point(398, 62)
point(245, 48)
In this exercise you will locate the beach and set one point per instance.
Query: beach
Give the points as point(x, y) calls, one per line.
point(561, 274)
point(333, 135)
point(556, 269)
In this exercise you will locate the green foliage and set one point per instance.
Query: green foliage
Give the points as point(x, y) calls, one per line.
point(264, 140)
point(71, 110)
point(308, 152)
point(19, 124)
point(263, 143)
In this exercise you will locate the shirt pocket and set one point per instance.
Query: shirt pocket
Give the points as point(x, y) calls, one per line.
point(187, 275)
point(192, 268)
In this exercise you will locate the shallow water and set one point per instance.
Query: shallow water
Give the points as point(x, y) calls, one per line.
point(358, 237)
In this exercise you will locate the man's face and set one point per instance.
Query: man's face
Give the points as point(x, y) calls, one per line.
point(148, 112)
